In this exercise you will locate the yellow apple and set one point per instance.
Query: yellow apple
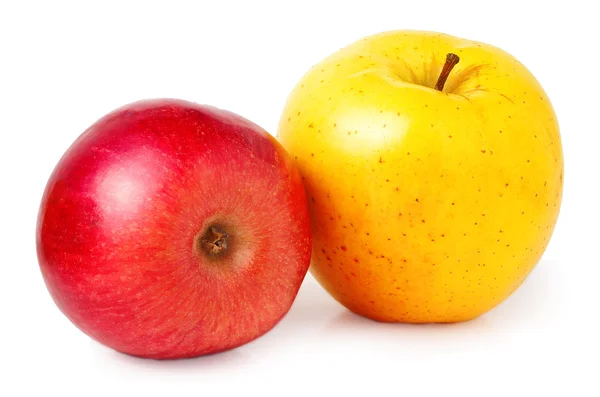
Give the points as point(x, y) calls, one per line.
point(428, 204)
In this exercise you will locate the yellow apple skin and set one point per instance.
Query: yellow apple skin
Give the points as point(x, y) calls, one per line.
point(426, 205)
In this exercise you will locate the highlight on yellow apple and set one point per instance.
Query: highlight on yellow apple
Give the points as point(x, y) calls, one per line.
point(434, 172)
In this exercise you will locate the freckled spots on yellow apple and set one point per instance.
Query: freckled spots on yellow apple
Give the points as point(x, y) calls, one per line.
point(443, 201)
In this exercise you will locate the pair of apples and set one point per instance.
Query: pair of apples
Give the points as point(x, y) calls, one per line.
point(419, 174)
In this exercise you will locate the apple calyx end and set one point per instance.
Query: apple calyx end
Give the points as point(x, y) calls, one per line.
point(214, 241)
point(451, 61)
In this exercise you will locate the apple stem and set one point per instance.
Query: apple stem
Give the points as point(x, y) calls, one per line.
point(214, 241)
point(451, 61)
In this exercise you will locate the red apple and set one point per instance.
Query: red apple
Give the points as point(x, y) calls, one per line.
point(170, 229)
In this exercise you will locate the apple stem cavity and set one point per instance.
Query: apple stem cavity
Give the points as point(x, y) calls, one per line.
point(451, 61)
point(214, 241)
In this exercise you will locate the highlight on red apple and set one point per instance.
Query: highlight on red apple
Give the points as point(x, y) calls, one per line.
point(170, 229)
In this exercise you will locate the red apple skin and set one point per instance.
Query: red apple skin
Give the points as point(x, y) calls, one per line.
point(122, 219)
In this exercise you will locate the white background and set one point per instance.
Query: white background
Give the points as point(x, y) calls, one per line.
point(62, 66)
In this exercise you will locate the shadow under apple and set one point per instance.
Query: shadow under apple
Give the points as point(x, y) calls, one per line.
point(313, 305)
point(226, 359)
